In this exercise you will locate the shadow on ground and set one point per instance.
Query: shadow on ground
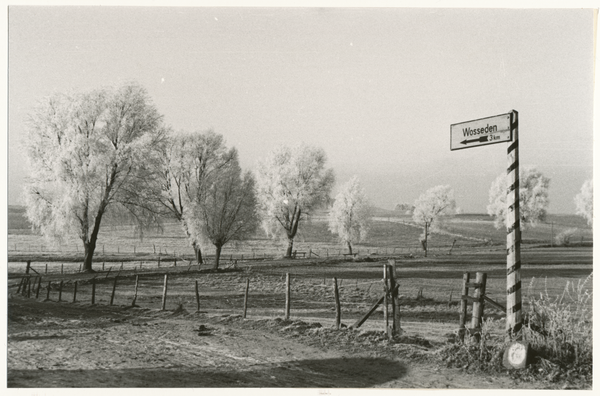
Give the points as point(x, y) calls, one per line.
point(326, 373)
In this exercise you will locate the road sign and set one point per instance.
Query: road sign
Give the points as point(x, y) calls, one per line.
point(490, 130)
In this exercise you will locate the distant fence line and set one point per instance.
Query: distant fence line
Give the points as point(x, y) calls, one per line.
point(155, 249)
point(101, 264)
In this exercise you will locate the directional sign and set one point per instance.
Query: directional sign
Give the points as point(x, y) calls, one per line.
point(480, 132)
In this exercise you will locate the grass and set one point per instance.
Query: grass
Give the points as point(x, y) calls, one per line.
point(560, 328)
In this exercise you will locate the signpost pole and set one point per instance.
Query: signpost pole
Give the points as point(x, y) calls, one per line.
point(513, 234)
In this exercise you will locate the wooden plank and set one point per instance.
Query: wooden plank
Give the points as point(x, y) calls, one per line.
point(494, 304)
point(366, 316)
point(471, 299)
point(362, 320)
point(474, 284)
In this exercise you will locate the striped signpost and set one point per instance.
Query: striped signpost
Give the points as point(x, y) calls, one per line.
point(513, 233)
point(491, 130)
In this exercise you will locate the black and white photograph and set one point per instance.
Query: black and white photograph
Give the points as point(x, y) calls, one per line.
point(322, 197)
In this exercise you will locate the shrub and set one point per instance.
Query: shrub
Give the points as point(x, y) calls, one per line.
point(564, 238)
point(560, 329)
point(476, 354)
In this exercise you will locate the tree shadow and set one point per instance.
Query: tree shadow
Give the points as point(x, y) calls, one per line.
point(315, 373)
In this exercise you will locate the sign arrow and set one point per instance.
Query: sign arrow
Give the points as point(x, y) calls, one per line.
point(481, 139)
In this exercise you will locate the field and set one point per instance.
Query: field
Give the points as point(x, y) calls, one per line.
point(60, 344)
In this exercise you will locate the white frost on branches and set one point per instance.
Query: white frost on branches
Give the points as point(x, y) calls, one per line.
point(432, 205)
point(350, 216)
point(533, 198)
point(90, 153)
point(290, 182)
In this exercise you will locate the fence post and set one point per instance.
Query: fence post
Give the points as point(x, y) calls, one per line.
point(48, 292)
point(480, 278)
point(60, 286)
point(29, 288)
point(338, 310)
point(25, 283)
point(61, 268)
point(396, 329)
point(164, 297)
point(287, 296)
point(20, 285)
point(74, 291)
point(386, 317)
point(463, 307)
point(37, 291)
point(46, 268)
point(28, 266)
point(93, 291)
point(197, 298)
point(135, 293)
point(112, 295)
point(246, 298)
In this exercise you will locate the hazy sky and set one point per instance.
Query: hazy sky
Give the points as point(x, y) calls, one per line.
point(376, 88)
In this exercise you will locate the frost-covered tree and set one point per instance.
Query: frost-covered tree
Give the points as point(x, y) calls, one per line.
point(584, 201)
point(290, 181)
point(350, 216)
point(191, 164)
point(430, 207)
point(533, 198)
point(227, 208)
point(89, 154)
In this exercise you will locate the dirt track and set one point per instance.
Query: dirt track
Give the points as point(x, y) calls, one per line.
point(70, 345)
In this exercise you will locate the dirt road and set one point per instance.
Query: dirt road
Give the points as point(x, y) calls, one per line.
point(54, 344)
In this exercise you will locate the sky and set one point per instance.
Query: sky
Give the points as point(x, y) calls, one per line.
point(376, 88)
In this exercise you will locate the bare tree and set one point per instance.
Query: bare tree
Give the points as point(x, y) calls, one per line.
point(533, 198)
point(350, 216)
point(584, 201)
point(435, 203)
point(91, 153)
point(191, 163)
point(227, 209)
point(291, 181)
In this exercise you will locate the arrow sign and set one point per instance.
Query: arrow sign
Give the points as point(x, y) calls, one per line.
point(480, 132)
point(481, 139)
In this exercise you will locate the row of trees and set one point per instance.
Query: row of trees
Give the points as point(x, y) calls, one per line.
point(108, 153)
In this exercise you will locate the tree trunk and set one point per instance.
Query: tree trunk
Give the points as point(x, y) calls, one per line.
point(349, 248)
point(197, 253)
point(292, 232)
point(426, 234)
point(217, 256)
point(288, 253)
point(90, 246)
